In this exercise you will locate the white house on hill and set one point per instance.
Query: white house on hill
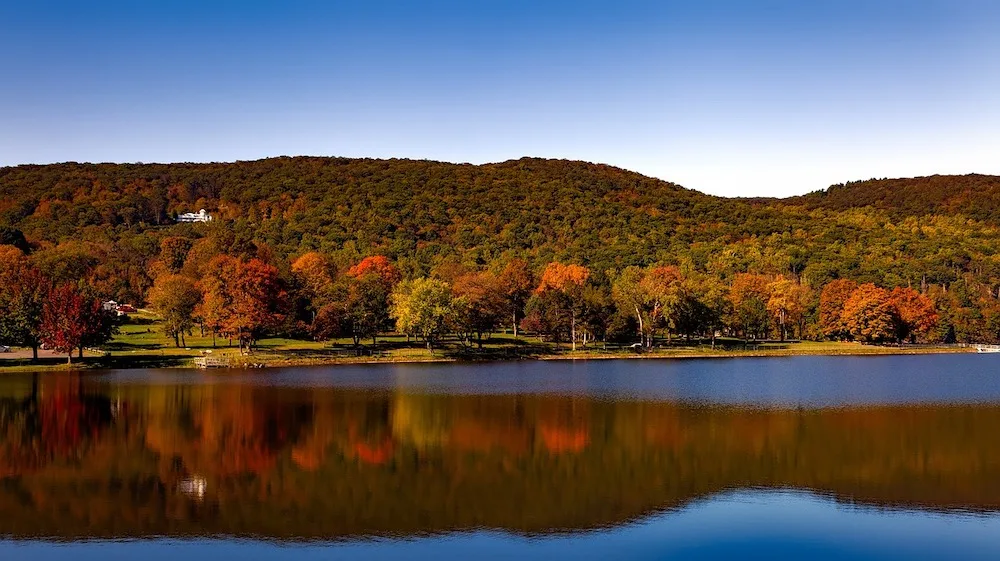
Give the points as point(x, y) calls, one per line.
point(200, 216)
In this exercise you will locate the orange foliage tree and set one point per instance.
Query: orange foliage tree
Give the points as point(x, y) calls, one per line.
point(915, 314)
point(831, 308)
point(380, 267)
point(869, 314)
point(242, 299)
point(749, 295)
point(566, 281)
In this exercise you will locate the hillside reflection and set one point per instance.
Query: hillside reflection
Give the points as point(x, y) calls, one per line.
point(82, 459)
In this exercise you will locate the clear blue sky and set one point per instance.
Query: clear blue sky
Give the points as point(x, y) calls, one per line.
point(769, 97)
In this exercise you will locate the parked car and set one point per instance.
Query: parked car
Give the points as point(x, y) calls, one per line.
point(4, 349)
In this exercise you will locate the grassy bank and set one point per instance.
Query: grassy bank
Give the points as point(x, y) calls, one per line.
point(141, 344)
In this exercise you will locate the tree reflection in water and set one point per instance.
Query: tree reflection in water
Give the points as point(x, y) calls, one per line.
point(82, 459)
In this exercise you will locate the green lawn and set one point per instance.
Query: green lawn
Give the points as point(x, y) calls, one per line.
point(141, 343)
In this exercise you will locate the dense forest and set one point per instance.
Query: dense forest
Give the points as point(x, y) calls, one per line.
point(573, 250)
point(82, 459)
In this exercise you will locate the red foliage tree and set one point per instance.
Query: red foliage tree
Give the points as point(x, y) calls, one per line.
point(67, 318)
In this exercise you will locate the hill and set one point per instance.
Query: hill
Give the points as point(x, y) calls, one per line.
point(107, 223)
point(975, 196)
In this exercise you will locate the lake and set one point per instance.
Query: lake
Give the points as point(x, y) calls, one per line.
point(808, 457)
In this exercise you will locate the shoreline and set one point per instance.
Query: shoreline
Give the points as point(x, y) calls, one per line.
point(276, 359)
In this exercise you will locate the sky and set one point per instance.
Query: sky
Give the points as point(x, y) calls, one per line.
point(735, 98)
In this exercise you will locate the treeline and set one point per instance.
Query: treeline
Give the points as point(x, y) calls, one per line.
point(244, 299)
point(110, 227)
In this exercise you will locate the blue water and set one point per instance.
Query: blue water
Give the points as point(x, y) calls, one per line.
point(924, 414)
point(739, 525)
point(813, 381)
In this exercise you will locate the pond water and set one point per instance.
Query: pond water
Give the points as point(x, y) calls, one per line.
point(810, 457)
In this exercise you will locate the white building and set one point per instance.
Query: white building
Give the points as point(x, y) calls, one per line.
point(200, 216)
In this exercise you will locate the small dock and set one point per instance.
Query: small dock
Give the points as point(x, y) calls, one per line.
point(211, 362)
point(988, 348)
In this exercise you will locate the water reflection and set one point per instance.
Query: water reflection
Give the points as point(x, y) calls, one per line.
point(84, 458)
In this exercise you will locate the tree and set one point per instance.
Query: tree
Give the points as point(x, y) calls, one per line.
point(175, 298)
point(786, 303)
point(915, 314)
point(516, 282)
point(368, 307)
point(313, 278)
point(379, 266)
point(870, 315)
point(71, 320)
point(483, 304)
point(174, 251)
point(831, 308)
point(242, 299)
point(314, 271)
point(567, 280)
point(654, 295)
point(216, 298)
point(749, 295)
point(23, 291)
point(663, 288)
point(424, 306)
point(257, 301)
point(630, 298)
point(373, 280)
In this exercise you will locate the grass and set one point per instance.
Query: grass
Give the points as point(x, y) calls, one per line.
point(142, 344)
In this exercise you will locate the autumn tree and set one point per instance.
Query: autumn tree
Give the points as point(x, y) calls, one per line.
point(786, 303)
point(915, 314)
point(483, 306)
point(378, 266)
point(257, 302)
point(748, 296)
point(175, 298)
point(869, 314)
point(216, 295)
point(425, 307)
point(548, 313)
point(314, 277)
point(174, 251)
point(516, 282)
point(568, 281)
point(71, 320)
point(23, 290)
point(242, 299)
point(831, 308)
point(370, 286)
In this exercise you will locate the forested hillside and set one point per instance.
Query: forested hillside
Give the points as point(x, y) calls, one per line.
point(113, 226)
point(974, 196)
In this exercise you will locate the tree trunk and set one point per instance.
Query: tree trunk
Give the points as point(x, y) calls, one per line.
point(69, 357)
point(81, 352)
point(177, 341)
point(642, 331)
point(572, 330)
point(515, 323)
point(34, 353)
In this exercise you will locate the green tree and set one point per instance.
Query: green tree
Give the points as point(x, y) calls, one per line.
point(175, 298)
point(425, 307)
